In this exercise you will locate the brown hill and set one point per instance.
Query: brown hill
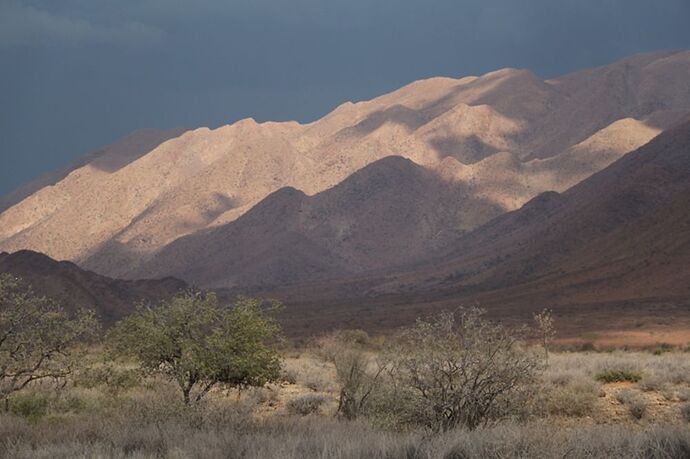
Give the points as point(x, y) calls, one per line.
point(75, 288)
point(503, 138)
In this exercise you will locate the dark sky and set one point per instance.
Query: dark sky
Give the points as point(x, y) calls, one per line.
point(78, 74)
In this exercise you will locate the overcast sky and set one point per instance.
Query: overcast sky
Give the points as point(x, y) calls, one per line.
point(78, 74)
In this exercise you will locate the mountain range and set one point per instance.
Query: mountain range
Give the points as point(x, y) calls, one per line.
point(503, 188)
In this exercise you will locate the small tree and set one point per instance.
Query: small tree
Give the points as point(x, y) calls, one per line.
point(199, 344)
point(37, 337)
point(458, 371)
point(546, 329)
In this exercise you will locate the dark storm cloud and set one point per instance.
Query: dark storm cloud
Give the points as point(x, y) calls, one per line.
point(76, 74)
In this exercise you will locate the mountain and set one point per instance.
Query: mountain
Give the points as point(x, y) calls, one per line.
point(626, 228)
point(501, 138)
point(75, 288)
point(109, 158)
point(358, 225)
point(615, 248)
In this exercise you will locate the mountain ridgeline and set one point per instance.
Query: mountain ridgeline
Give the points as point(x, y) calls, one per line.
point(502, 188)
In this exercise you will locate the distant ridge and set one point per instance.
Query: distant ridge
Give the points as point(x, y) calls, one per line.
point(75, 288)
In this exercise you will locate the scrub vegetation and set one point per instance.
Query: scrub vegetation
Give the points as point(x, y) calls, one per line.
point(192, 377)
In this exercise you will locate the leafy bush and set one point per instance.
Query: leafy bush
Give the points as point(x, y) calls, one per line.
point(198, 343)
point(618, 375)
point(306, 404)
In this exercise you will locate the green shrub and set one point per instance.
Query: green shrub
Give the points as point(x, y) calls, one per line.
point(198, 343)
point(618, 375)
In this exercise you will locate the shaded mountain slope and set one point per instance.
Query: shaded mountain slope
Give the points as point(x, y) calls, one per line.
point(623, 233)
point(384, 215)
point(75, 288)
point(613, 250)
point(632, 215)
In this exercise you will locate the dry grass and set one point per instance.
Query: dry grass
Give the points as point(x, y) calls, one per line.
point(326, 438)
point(311, 372)
point(572, 415)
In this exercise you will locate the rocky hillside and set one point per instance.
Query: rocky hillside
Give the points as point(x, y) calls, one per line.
point(497, 141)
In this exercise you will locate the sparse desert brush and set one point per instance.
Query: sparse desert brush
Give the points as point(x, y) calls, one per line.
point(289, 376)
point(683, 394)
point(634, 401)
point(31, 405)
point(460, 370)
point(576, 398)
point(310, 372)
point(652, 382)
point(150, 420)
point(306, 404)
point(265, 395)
point(618, 375)
point(662, 348)
point(685, 411)
point(111, 375)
